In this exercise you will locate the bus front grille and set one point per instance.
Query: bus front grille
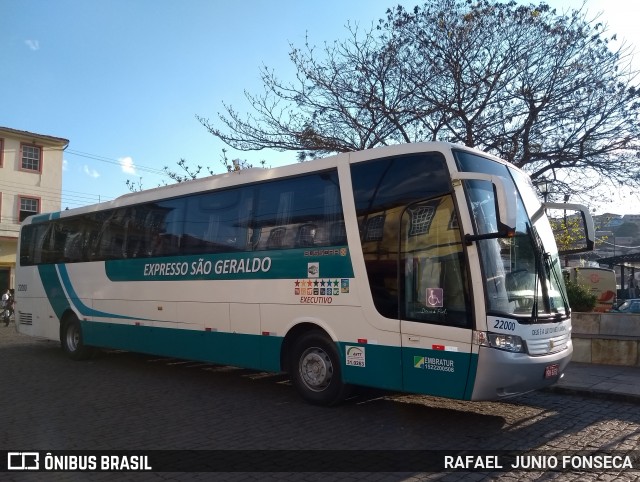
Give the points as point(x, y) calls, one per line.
point(545, 346)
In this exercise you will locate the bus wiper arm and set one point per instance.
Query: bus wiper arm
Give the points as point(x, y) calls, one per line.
point(543, 265)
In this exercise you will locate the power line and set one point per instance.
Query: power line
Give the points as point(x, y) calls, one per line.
point(108, 160)
point(617, 245)
point(66, 198)
point(16, 186)
point(76, 198)
point(52, 195)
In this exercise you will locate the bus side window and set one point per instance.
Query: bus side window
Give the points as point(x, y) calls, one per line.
point(337, 234)
point(135, 239)
point(380, 250)
point(73, 247)
point(93, 224)
point(218, 221)
point(112, 237)
point(276, 238)
point(27, 245)
point(34, 238)
point(300, 212)
point(273, 215)
point(169, 233)
point(255, 234)
point(306, 236)
point(382, 189)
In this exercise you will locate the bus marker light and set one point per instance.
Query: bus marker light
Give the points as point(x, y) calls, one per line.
point(444, 348)
point(362, 340)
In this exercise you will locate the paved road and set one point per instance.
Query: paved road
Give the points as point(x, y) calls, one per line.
point(124, 401)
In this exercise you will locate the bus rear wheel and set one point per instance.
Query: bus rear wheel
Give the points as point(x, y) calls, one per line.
point(72, 341)
point(315, 369)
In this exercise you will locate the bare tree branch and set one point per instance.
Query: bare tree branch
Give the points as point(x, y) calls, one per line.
point(549, 92)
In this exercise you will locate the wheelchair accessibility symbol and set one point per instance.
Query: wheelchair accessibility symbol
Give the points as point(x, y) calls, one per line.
point(435, 298)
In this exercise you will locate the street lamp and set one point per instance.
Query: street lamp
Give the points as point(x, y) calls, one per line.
point(544, 186)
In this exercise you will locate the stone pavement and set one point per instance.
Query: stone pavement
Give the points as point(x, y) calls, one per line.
point(611, 382)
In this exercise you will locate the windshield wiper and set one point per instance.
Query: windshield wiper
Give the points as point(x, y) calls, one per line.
point(544, 265)
point(559, 284)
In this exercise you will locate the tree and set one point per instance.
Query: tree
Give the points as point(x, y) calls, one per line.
point(569, 233)
point(189, 173)
point(545, 91)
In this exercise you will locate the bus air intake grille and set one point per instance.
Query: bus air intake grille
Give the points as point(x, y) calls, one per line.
point(545, 346)
point(25, 318)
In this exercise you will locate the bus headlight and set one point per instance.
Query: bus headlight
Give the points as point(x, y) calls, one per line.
point(500, 341)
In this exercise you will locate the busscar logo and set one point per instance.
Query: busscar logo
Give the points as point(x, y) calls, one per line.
point(23, 461)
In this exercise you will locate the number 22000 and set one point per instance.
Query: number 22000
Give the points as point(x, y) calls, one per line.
point(505, 325)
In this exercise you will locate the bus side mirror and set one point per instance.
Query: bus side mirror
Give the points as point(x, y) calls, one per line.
point(505, 204)
point(586, 230)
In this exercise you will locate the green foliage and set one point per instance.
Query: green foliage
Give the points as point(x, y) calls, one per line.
point(580, 297)
point(570, 234)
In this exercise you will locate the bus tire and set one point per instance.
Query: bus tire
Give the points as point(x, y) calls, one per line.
point(71, 339)
point(316, 371)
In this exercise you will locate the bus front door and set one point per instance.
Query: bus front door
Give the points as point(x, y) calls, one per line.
point(435, 306)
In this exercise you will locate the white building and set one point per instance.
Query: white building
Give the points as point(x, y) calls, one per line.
point(30, 183)
point(631, 218)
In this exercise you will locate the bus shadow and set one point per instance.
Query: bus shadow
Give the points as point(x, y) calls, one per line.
point(370, 419)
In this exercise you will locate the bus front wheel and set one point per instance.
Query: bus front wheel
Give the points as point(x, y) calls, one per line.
point(315, 369)
point(72, 341)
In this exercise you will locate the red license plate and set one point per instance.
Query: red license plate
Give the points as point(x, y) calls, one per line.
point(551, 371)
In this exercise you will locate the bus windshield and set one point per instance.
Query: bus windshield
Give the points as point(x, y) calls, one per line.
point(523, 277)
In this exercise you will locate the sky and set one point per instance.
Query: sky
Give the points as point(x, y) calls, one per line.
point(123, 80)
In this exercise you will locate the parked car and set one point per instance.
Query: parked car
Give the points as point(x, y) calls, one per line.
point(629, 306)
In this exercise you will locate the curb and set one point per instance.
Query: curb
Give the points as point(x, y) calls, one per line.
point(592, 393)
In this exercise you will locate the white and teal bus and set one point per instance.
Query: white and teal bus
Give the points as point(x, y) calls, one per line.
point(427, 268)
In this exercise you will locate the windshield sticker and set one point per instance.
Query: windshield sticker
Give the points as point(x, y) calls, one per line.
point(355, 356)
point(344, 286)
point(435, 297)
